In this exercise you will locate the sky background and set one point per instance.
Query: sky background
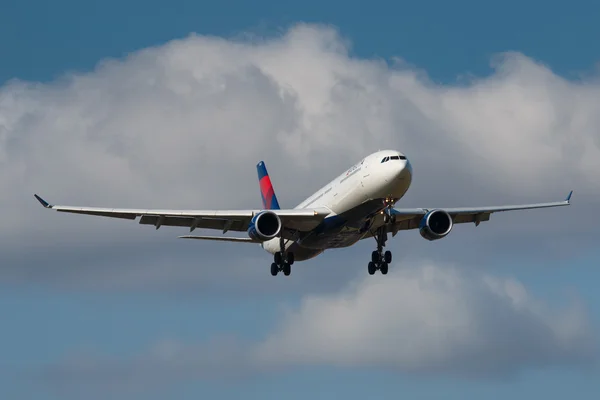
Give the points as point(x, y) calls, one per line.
point(137, 104)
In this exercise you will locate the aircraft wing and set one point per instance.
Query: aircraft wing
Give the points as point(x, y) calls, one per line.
point(409, 218)
point(225, 220)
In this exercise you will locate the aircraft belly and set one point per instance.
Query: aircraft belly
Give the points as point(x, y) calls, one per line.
point(344, 229)
point(302, 253)
point(330, 240)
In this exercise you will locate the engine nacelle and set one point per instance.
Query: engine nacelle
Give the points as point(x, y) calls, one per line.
point(264, 226)
point(435, 225)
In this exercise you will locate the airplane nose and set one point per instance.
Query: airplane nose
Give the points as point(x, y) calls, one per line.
point(406, 172)
point(400, 172)
point(396, 180)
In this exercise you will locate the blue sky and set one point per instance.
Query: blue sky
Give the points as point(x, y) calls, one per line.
point(43, 40)
point(93, 291)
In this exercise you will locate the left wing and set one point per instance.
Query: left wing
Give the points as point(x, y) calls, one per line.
point(409, 218)
point(292, 221)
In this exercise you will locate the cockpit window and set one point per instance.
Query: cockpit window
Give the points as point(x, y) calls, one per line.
point(388, 158)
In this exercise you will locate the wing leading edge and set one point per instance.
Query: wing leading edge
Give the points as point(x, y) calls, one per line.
point(225, 220)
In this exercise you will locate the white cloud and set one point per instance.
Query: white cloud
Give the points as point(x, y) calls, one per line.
point(432, 319)
point(429, 319)
point(183, 124)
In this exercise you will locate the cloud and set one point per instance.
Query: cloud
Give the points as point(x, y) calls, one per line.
point(183, 124)
point(431, 319)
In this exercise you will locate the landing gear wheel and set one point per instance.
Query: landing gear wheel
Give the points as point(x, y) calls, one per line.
point(383, 268)
point(375, 257)
point(387, 257)
point(379, 259)
point(290, 258)
point(274, 269)
point(287, 269)
point(372, 268)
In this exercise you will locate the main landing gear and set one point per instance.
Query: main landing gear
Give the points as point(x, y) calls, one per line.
point(282, 261)
point(380, 259)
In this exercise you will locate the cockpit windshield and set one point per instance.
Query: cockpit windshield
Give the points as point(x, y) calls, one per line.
point(397, 157)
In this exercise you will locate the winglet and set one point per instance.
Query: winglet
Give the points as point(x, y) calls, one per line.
point(43, 202)
point(568, 200)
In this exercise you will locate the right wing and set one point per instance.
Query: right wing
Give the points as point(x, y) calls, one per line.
point(294, 220)
point(409, 218)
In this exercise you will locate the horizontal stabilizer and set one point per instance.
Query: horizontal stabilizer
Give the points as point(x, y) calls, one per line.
point(220, 238)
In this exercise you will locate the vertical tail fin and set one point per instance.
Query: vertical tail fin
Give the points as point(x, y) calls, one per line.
point(269, 200)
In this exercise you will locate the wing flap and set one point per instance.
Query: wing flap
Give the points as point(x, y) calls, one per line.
point(466, 218)
point(99, 212)
point(195, 222)
point(220, 238)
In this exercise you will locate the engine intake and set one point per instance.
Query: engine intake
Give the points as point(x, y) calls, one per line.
point(435, 225)
point(264, 226)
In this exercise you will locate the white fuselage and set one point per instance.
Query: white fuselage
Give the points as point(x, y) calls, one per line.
point(370, 179)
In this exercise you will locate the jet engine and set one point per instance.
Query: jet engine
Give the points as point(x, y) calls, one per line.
point(435, 225)
point(264, 226)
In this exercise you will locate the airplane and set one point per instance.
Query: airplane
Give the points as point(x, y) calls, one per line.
point(356, 205)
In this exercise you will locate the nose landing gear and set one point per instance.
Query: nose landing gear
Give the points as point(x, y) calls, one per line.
point(388, 214)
